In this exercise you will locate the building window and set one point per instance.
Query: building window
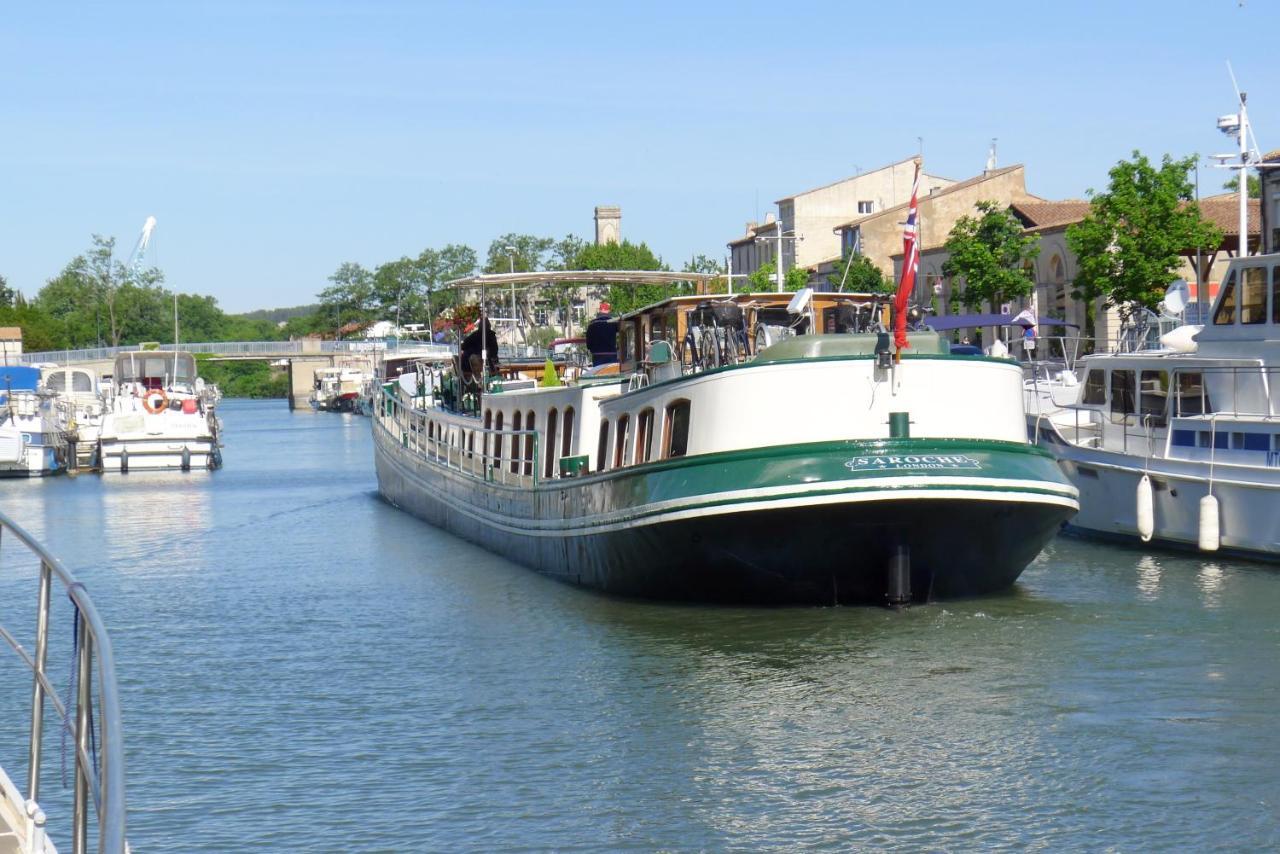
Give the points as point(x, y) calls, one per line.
point(1253, 296)
point(644, 436)
point(677, 432)
point(1225, 315)
point(865, 207)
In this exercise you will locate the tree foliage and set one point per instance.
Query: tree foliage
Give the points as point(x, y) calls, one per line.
point(855, 273)
point(1130, 245)
point(765, 278)
point(626, 256)
point(993, 256)
point(1254, 185)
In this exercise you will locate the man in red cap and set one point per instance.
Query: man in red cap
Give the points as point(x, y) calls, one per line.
point(602, 337)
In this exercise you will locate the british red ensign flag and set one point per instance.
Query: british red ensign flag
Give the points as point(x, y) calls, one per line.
point(910, 264)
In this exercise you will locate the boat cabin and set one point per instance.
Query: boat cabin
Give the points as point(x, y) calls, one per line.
point(691, 331)
point(156, 369)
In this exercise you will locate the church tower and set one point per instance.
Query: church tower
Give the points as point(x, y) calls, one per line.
point(608, 224)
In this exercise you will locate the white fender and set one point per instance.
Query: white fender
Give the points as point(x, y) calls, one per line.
point(1210, 537)
point(1146, 515)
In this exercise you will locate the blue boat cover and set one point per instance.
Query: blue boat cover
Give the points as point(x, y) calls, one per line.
point(19, 378)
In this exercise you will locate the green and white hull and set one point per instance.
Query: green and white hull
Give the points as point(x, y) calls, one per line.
point(814, 519)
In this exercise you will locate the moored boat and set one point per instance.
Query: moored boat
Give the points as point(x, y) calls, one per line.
point(823, 468)
point(33, 429)
point(159, 416)
point(1178, 445)
point(83, 404)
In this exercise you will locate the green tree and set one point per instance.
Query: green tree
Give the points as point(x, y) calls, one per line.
point(993, 255)
point(1130, 244)
point(627, 256)
point(856, 274)
point(765, 278)
point(1255, 186)
point(349, 298)
point(7, 293)
point(526, 252)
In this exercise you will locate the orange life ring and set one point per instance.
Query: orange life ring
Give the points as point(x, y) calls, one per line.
point(149, 396)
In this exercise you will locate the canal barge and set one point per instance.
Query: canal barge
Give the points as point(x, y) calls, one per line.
point(821, 469)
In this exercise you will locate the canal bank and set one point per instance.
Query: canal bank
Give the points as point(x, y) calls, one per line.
point(305, 668)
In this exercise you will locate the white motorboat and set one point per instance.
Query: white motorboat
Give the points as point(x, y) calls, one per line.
point(1181, 445)
point(33, 430)
point(83, 405)
point(338, 389)
point(159, 416)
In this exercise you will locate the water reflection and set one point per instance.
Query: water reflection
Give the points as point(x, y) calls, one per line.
point(1149, 572)
point(158, 519)
point(1210, 580)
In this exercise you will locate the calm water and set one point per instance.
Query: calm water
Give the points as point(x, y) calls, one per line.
point(307, 669)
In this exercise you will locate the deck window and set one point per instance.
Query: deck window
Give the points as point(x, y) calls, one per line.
point(1095, 388)
point(602, 447)
point(1253, 295)
point(1225, 314)
point(1192, 396)
point(1155, 398)
point(566, 444)
point(548, 464)
point(644, 436)
point(620, 436)
point(1275, 294)
point(677, 431)
point(1121, 396)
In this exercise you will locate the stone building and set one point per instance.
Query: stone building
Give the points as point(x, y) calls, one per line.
point(808, 219)
point(878, 236)
point(1056, 266)
point(608, 224)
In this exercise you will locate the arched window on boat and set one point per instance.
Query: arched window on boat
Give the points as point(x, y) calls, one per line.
point(644, 435)
point(602, 448)
point(548, 465)
point(497, 440)
point(488, 425)
point(566, 443)
point(530, 424)
point(515, 442)
point(676, 435)
point(620, 441)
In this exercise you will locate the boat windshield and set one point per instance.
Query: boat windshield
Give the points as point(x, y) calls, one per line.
point(153, 367)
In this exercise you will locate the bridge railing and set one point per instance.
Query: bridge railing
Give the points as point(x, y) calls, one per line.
point(267, 349)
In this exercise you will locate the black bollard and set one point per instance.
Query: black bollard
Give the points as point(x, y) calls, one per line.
point(899, 586)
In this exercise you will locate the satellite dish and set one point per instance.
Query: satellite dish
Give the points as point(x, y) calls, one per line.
point(1176, 297)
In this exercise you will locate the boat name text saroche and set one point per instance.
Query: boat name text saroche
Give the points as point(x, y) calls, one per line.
point(920, 461)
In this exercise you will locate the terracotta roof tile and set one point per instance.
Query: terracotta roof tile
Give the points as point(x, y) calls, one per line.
point(1049, 214)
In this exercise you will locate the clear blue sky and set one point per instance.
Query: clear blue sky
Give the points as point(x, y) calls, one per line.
point(275, 140)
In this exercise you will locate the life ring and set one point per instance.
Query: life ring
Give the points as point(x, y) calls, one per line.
point(150, 396)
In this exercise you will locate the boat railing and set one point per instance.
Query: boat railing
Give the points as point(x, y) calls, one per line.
point(98, 751)
point(456, 442)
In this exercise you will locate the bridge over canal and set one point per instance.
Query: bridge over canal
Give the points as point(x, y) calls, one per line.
point(301, 357)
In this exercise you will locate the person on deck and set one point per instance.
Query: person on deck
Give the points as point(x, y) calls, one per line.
point(602, 337)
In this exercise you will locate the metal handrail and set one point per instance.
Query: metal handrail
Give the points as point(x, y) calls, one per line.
point(107, 786)
point(414, 436)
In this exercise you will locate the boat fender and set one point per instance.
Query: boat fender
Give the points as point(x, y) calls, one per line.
point(1146, 515)
point(1210, 537)
point(149, 401)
